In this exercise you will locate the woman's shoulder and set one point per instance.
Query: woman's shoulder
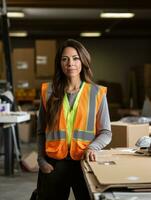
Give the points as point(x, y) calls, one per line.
point(47, 87)
point(46, 84)
point(97, 87)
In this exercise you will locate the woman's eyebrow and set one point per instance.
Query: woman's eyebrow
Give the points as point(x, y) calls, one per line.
point(71, 56)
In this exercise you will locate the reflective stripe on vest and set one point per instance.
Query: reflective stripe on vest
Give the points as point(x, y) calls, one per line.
point(45, 93)
point(70, 113)
point(84, 128)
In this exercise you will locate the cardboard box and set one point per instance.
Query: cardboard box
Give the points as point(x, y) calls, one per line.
point(118, 168)
point(27, 130)
point(45, 57)
point(38, 82)
point(25, 94)
point(23, 68)
point(126, 135)
point(24, 132)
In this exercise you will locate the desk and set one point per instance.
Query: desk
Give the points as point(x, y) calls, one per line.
point(9, 120)
point(118, 174)
point(14, 117)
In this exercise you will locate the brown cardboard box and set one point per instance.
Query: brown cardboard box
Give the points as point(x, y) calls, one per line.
point(126, 135)
point(27, 130)
point(118, 168)
point(38, 82)
point(24, 132)
point(45, 57)
point(25, 94)
point(23, 68)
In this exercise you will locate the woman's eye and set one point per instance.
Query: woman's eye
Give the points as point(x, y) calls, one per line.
point(64, 59)
point(76, 58)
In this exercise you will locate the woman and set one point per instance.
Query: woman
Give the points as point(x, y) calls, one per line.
point(73, 123)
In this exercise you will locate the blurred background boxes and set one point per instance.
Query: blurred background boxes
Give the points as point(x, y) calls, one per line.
point(23, 68)
point(22, 94)
point(45, 57)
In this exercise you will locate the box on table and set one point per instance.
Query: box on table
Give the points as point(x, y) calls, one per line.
point(27, 130)
point(126, 134)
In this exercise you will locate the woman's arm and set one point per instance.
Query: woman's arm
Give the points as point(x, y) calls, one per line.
point(41, 125)
point(103, 127)
point(103, 131)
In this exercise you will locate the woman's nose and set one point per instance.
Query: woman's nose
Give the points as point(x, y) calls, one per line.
point(70, 62)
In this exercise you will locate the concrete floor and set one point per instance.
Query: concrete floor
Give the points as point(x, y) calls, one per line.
point(17, 187)
point(21, 184)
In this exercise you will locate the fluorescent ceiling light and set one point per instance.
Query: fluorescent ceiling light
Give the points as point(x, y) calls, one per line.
point(90, 34)
point(18, 34)
point(116, 15)
point(15, 14)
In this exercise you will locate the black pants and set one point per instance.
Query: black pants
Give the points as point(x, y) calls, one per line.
point(56, 185)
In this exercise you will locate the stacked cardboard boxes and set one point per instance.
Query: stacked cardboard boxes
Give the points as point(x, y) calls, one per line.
point(45, 57)
point(23, 68)
point(23, 73)
point(45, 61)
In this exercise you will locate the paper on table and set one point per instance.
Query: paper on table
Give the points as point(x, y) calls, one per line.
point(13, 113)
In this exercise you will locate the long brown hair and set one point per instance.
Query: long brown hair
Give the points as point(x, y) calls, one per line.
point(60, 80)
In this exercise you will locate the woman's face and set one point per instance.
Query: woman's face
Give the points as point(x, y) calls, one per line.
point(71, 63)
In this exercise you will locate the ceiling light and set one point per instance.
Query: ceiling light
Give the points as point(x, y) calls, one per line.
point(18, 34)
point(116, 15)
point(15, 14)
point(90, 34)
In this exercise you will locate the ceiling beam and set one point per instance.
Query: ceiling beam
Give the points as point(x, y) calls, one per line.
point(114, 4)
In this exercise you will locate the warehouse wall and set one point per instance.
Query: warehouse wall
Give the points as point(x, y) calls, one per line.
point(111, 58)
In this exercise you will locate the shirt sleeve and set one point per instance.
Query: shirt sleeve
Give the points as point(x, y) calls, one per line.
point(41, 124)
point(103, 127)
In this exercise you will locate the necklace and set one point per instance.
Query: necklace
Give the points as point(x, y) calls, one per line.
point(74, 90)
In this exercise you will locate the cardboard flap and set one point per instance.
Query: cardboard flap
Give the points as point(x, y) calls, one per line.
point(116, 169)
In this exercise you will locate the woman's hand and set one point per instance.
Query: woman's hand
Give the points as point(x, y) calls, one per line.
point(90, 155)
point(46, 168)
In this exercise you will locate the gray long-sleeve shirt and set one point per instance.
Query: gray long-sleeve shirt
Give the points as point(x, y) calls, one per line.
point(103, 128)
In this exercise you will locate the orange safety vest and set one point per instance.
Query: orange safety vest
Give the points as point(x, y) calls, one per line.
point(84, 128)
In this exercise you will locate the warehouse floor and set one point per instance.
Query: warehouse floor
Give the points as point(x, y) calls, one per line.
point(20, 185)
